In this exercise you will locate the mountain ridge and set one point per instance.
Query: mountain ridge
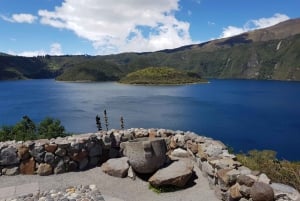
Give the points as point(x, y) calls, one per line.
point(268, 53)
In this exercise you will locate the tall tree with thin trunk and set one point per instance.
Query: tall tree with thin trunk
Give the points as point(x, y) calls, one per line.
point(98, 123)
point(106, 120)
point(122, 122)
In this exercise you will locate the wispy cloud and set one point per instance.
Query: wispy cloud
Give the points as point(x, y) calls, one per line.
point(254, 24)
point(210, 23)
point(117, 26)
point(20, 18)
point(55, 49)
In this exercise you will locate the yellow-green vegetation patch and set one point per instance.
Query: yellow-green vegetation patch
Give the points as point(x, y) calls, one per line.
point(265, 161)
point(161, 76)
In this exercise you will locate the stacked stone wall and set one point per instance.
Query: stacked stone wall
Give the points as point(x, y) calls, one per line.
point(227, 177)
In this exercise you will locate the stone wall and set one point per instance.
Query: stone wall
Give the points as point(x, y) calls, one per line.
point(229, 178)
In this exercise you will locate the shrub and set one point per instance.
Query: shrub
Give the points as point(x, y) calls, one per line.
point(265, 161)
point(27, 130)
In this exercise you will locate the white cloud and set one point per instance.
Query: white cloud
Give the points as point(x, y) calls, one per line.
point(232, 31)
point(117, 26)
point(254, 24)
point(28, 53)
point(266, 22)
point(55, 49)
point(20, 18)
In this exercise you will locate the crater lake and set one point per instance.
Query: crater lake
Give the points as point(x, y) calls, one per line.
point(243, 114)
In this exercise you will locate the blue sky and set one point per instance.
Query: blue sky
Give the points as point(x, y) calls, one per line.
point(97, 27)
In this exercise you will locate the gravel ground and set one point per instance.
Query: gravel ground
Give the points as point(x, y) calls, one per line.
point(111, 187)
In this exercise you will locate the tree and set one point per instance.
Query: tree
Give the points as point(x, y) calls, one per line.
point(24, 130)
point(51, 128)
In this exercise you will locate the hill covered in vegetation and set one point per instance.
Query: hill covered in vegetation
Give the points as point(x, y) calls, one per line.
point(162, 75)
point(271, 53)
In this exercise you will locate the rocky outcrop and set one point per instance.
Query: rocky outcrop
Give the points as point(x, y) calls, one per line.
point(176, 174)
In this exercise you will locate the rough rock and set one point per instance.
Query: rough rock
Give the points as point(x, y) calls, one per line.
point(261, 192)
point(176, 174)
point(177, 141)
point(10, 171)
point(38, 153)
point(117, 167)
point(235, 192)
point(72, 166)
point(44, 169)
point(223, 178)
point(60, 152)
point(245, 180)
point(51, 148)
point(224, 163)
point(28, 166)
point(285, 190)
point(245, 191)
point(131, 174)
point(49, 158)
point(190, 136)
point(192, 146)
point(146, 156)
point(83, 164)
point(244, 170)
point(79, 156)
point(264, 178)
point(94, 161)
point(94, 149)
point(207, 169)
point(8, 156)
point(60, 167)
point(23, 152)
point(180, 153)
point(213, 151)
point(201, 154)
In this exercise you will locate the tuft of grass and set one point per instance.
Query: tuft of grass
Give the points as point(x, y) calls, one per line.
point(281, 171)
point(163, 189)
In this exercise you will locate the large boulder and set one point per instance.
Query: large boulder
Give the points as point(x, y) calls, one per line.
point(145, 155)
point(176, 174)
point(117, 167)
point(261, 192)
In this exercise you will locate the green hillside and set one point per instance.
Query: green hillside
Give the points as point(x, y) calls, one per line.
point(161, 75)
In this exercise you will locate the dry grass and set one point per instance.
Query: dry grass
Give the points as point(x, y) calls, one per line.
point(283, 171)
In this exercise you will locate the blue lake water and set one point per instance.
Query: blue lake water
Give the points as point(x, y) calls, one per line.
point(244, 114)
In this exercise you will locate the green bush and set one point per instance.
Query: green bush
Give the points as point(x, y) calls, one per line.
point(265, 161)
point(27, 130)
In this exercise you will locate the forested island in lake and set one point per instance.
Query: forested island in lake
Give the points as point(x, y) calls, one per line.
point(269, 54)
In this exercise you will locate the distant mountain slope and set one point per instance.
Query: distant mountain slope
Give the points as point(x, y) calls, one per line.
point(13, 68)
point(270, 53)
